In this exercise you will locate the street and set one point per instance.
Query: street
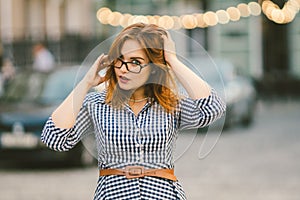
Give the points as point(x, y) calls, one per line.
point(260, 162)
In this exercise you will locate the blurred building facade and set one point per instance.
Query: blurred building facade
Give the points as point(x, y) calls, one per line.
point(70, 29)
point(63, 25)
point(41, 19)
point(239, 41)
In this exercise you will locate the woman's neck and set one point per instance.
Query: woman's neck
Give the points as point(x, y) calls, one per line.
point(139, 94)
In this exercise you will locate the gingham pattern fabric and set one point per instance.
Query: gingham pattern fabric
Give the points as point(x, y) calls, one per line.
point(123, 139)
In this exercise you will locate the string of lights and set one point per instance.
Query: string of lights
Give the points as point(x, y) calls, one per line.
point(281, 16)
point(206, 19)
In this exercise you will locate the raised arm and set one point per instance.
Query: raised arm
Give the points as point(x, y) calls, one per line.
point(196, 87)
point(65, 114)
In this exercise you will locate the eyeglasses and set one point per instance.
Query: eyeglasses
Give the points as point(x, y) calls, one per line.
point(133, 66)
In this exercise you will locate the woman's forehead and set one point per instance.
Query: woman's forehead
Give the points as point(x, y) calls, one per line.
point(132, 48)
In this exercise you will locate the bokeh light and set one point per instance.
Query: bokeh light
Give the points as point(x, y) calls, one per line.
point(208, 18)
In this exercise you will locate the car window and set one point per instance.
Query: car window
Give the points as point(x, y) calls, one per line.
point(44, 88)
point(59, 85)
point(22, 87)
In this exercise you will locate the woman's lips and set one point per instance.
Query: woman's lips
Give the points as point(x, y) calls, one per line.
point(123, 79)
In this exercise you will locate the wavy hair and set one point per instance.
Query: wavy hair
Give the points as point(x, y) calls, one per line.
point(161, 85)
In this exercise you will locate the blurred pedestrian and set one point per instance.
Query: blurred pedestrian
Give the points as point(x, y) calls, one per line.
point(1, 77)
point(7, 74)
point(43, 59)
point(1, 55)
point(137, 117)
point(43, 64)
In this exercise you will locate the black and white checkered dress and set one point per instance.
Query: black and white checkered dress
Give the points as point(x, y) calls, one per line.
point(124, 139)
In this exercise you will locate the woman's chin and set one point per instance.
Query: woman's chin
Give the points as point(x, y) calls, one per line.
point(126, 88)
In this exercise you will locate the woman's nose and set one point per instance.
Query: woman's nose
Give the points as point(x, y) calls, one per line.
point(124, 68)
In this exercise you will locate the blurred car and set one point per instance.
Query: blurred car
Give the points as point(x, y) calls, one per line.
point(239, 91)
point(26, 105)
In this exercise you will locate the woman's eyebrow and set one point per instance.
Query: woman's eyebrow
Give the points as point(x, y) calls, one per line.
point(133, 58)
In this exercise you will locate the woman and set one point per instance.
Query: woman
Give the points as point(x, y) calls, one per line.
point(137, 117)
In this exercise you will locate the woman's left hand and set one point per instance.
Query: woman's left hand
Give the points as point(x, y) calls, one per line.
point(194, 85)
point(169, 49)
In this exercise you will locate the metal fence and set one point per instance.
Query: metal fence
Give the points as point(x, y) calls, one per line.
point(70, 49)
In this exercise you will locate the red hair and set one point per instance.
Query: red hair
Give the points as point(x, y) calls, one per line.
point(161, 86)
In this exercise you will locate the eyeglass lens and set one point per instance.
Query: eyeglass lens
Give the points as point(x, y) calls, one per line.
point(132, 66)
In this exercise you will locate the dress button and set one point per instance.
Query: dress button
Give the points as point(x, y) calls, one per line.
point(141, 157)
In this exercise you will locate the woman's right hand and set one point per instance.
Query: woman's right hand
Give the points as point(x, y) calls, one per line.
point(92, 77)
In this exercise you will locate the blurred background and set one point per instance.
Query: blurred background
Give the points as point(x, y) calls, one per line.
point(255, 44)
point(262, 46)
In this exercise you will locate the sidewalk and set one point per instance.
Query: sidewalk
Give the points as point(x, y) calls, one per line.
point(261, 162)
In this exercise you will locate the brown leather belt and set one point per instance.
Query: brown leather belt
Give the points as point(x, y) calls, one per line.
point(139, 172)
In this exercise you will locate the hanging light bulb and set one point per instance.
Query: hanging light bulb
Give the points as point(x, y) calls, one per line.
point(244, 10)
point(255, 8)
point(233, 13)
point(200, 20)
point(223, 16)
point(103, 15)
point(189, 21)
point(166, 21)
point(210, 18)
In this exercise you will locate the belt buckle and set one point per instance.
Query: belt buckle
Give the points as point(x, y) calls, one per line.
point(134, 172)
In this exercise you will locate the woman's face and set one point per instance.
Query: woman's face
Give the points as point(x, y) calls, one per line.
point(132, 52)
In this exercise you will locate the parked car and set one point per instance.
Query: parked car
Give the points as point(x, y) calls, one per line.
point(26, 105)
point(239, 91)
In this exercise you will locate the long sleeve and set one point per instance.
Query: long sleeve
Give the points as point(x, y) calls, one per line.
point(60, 139)
point(201, 112)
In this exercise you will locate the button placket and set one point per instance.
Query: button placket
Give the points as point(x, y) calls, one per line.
point(136, 144)
point(139, 146)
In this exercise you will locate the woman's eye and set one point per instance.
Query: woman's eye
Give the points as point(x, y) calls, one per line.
point(136, 62)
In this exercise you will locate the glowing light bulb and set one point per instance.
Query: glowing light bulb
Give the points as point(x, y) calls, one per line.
point(223, 16)
point(103, 15)
point(210, 18)
point(244, 9)
point(255, 8)
point(233, 13)
point(188, 21)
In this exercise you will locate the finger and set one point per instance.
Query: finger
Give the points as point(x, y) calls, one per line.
point(104, 61)
point(99, 58)
point(97, 62)
point(165, 38)
point(168, 36)
point(103, 65)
